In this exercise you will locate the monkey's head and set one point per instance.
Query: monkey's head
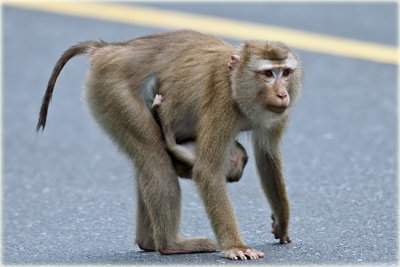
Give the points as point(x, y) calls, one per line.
point(266, 79)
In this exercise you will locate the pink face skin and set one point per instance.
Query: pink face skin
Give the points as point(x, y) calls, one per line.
point(276, 78)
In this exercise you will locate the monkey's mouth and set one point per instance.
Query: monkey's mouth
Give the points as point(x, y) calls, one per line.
point(276, 109)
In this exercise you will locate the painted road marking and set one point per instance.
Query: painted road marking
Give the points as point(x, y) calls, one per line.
point(159, 18)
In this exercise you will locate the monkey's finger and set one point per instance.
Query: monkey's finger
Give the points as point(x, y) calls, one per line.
point(285, 239)
point(241, 255)
point(234, 254)
point(231, 256)
point(259, 253)
point(252, 257)
point(253, 254)
point(275, 234)
point(250, 254)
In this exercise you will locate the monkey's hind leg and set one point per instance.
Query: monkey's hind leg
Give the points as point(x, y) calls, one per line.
point(136, 132)
point(159, 206)
point(144, 227)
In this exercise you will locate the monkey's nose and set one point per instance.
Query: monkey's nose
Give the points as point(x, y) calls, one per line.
point(282, 99)
point(282, 95)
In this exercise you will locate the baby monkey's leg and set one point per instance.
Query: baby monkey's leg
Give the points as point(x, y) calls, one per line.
point(186, 154)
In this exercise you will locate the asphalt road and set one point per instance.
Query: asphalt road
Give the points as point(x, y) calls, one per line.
point(68, 194)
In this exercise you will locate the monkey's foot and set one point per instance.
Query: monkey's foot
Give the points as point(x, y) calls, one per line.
point(279, 233)
point(190, 245)
point(242, 254)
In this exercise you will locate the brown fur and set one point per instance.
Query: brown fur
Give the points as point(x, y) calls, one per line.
point(237, 160)
point(204, 101)
point(184, 154)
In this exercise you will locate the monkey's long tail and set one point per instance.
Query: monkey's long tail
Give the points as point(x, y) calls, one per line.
point(75, 50)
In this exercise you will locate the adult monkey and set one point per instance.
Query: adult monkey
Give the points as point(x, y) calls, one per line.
point(212, 92)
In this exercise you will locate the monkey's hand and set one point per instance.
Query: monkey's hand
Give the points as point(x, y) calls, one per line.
point(242, 254)
point(158, 99)
point(280, 232)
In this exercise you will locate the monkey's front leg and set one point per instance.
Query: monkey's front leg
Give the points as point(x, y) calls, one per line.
point(208, 173)
point(218, 206)
point(269, 166)
point(279, 232)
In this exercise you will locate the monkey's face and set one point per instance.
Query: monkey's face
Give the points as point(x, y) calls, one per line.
point(266, 87)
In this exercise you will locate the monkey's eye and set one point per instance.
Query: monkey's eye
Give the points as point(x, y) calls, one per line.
point(286, 73)
point(268, 74)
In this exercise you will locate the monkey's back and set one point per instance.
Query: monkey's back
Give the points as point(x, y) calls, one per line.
point(185, 64)
point(189, 65)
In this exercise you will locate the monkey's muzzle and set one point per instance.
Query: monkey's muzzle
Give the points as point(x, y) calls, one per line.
point(276, 109)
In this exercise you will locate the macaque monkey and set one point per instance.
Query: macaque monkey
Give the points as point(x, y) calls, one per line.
point(184, 154)
point(212, 91)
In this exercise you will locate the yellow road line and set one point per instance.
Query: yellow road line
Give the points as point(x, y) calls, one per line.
point(228, 28)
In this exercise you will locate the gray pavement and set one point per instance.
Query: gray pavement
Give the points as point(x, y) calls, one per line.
point(68, 194)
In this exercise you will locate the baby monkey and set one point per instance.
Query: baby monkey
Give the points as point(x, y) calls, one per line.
point(184, 154)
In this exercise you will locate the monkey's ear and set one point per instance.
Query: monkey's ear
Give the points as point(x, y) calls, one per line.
point(234, 62)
